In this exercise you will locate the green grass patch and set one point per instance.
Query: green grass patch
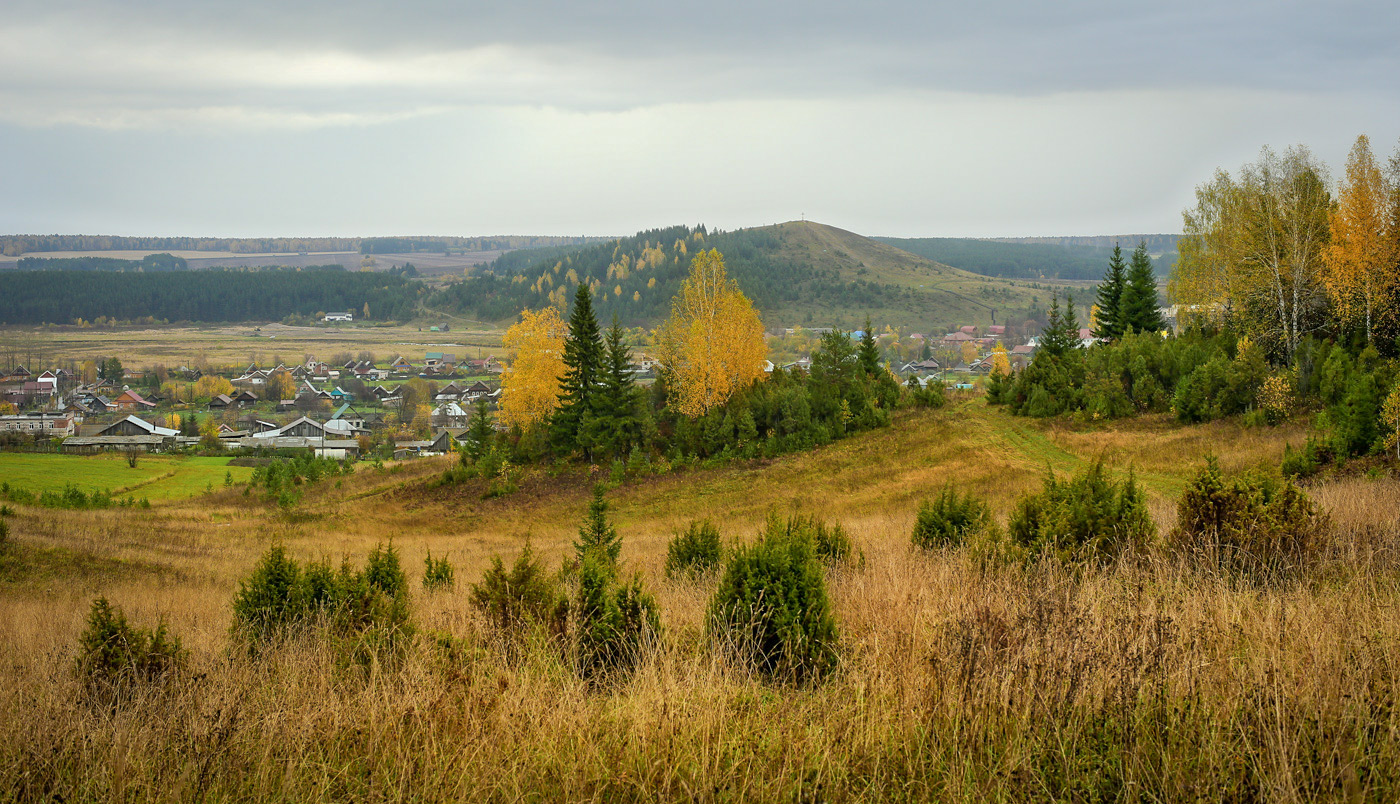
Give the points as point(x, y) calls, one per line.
point(156, 477)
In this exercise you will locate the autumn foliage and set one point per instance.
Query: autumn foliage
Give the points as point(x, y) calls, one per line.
point(712, 345)
point(530, 386)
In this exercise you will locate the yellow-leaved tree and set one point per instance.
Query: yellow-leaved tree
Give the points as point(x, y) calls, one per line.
point(281, 386)
point(712, 345)
point(1360, 261)
point(530, 385)
point(211, 385)
point(1001, 361)
point(1252, 248)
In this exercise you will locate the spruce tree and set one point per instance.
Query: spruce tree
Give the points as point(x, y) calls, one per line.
point(478, 436)
point(1110, 298)
point(1138, 305)
point(869, 352)
point(583, 359)
point(597, 535)
point(613, 428)
point(1061, 332)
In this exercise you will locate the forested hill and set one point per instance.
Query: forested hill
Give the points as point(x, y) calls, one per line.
point(62, 297)
point(1033, 258)
point(796, 273)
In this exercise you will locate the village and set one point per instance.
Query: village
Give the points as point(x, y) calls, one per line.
point(357, 407)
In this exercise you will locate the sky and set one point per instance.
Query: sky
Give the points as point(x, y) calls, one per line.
point(605, 117)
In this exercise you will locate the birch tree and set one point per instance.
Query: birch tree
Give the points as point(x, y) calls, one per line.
point(1254, 247)
point(712, 345)
point(530, 385)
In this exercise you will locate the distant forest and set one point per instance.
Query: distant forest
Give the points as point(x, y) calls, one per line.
point(149, 263)
point(17, 245)
point(1049, 258)
point(636, 277)
point(219, 294)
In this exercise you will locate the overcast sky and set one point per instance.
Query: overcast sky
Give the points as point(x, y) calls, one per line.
point(912, 118)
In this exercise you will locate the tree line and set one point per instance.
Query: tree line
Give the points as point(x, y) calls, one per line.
point(1021, 260)
point(150, 263)
point(219, 294)
point(1288, 301)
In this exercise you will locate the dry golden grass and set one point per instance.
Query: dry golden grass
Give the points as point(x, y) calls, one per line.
point(1147, 680)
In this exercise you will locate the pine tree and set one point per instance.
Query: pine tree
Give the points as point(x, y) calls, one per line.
point(1138, 305)
point(597, 535)
point(583, 358)
point(1110, 298)
point(613, 428)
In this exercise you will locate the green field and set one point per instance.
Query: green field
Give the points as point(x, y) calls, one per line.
point(156, 477)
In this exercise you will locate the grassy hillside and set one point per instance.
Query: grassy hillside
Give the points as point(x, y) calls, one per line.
point(1153, 679)
point(796, 273)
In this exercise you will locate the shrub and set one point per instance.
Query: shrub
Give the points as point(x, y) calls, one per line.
point(383, 572)
point(829, 543)
point(516, 600)
point(4, 535)
point(272, 598)
point(369, 605)
point(115, 656)
point(771, 608)
point(948, 519)
point(613, 622)
point(1307, 461)
point(1086, 517)
point(696, 550)
point(1256, 524)
point(437, 574)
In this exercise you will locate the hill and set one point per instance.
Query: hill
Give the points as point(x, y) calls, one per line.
point(1080, 258)
point(962, 678)
point(797, 273)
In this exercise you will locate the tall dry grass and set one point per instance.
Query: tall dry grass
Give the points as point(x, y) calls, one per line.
point(1146, 680)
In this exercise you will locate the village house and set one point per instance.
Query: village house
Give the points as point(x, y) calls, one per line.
point(332, 317)
point(439, 360)
point(49, 424)
point(130, 400)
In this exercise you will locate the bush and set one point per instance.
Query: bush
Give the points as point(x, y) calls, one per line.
point(696, 550)
point(1255, 524)
point(771, 608)
point(115, 656)
point(829, 543)
point(370, 606)
point(272, 598)
point(613, 622)
point(383, 572)
point(1085, 518)
point(948, 519)
point(1307, 461)
point(524, 597)
point(437, 574)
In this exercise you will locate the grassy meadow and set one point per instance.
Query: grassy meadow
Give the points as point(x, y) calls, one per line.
point(1151, 679)
point(155, 477)
point(240, 344)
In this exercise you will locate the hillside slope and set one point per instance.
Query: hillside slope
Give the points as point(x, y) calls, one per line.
point(797, 273)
